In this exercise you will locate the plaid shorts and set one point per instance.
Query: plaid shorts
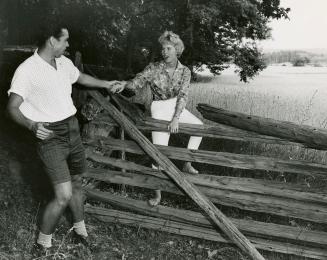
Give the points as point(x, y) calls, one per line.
point(63, 155)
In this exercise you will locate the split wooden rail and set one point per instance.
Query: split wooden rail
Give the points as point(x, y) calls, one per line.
point(299, 204)
point(295, 201)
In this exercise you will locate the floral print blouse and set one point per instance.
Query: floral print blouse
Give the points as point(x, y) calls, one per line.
point(162, 86)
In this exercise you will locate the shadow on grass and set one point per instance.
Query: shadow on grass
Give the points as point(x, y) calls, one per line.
point(24, 164)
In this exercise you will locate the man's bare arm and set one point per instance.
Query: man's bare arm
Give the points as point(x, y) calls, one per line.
point(16, 115)
point(92, 82)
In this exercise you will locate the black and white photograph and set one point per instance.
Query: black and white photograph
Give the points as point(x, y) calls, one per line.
point(163, 129)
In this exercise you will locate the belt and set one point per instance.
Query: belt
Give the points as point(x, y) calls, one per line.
point(64, 121)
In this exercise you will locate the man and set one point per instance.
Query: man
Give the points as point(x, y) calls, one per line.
point(40, 100)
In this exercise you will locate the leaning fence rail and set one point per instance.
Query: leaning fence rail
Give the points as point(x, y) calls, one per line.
point(217, 217)
point(290, 200)
point(258, 195)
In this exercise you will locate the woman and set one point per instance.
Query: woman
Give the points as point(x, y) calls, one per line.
point(169, 82)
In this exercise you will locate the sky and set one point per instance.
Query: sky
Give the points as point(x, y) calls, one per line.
point(306, 29)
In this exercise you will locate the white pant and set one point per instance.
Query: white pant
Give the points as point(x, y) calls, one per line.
point(164, 110)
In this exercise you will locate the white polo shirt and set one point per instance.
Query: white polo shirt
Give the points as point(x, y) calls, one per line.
point(46, 91)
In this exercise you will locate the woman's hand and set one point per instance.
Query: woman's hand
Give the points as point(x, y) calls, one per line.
point(116, 86)
point(173, 125)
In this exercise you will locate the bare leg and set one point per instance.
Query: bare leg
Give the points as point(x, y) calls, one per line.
point(76, 204)
point(156, 200)
point(56, 207)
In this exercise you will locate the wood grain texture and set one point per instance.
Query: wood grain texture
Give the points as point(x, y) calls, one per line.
point(173, 172)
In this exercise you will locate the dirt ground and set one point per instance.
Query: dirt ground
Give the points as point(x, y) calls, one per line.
point(24, 191)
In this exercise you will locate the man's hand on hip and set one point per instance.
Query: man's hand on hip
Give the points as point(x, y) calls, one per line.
point(39, 130)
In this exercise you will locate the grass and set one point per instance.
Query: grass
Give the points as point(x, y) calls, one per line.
point(20, 200)
point(259, 98)
point(286, 97)
point(22, 196)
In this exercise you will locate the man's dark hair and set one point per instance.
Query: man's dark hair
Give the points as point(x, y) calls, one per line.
point(46, 31)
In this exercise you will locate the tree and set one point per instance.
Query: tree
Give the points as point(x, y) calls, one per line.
point(124, 33)
point(215, 32)
point(300, 61)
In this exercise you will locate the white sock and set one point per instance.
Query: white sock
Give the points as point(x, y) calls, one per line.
point(44, 240)
point(80, 229)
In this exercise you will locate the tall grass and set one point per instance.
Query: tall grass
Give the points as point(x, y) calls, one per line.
point(282, 96)
point(266, 96)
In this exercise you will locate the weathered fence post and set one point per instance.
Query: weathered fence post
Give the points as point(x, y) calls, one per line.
point(173, 172)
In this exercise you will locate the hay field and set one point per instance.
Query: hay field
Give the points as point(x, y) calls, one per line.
point(295, 94)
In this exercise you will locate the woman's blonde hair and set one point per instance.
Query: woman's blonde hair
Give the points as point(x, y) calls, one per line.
point(173, 39)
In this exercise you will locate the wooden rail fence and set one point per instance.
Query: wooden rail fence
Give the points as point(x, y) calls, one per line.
point(288, 200)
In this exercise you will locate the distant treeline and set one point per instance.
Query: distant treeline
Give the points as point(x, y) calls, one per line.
point(297, 58)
